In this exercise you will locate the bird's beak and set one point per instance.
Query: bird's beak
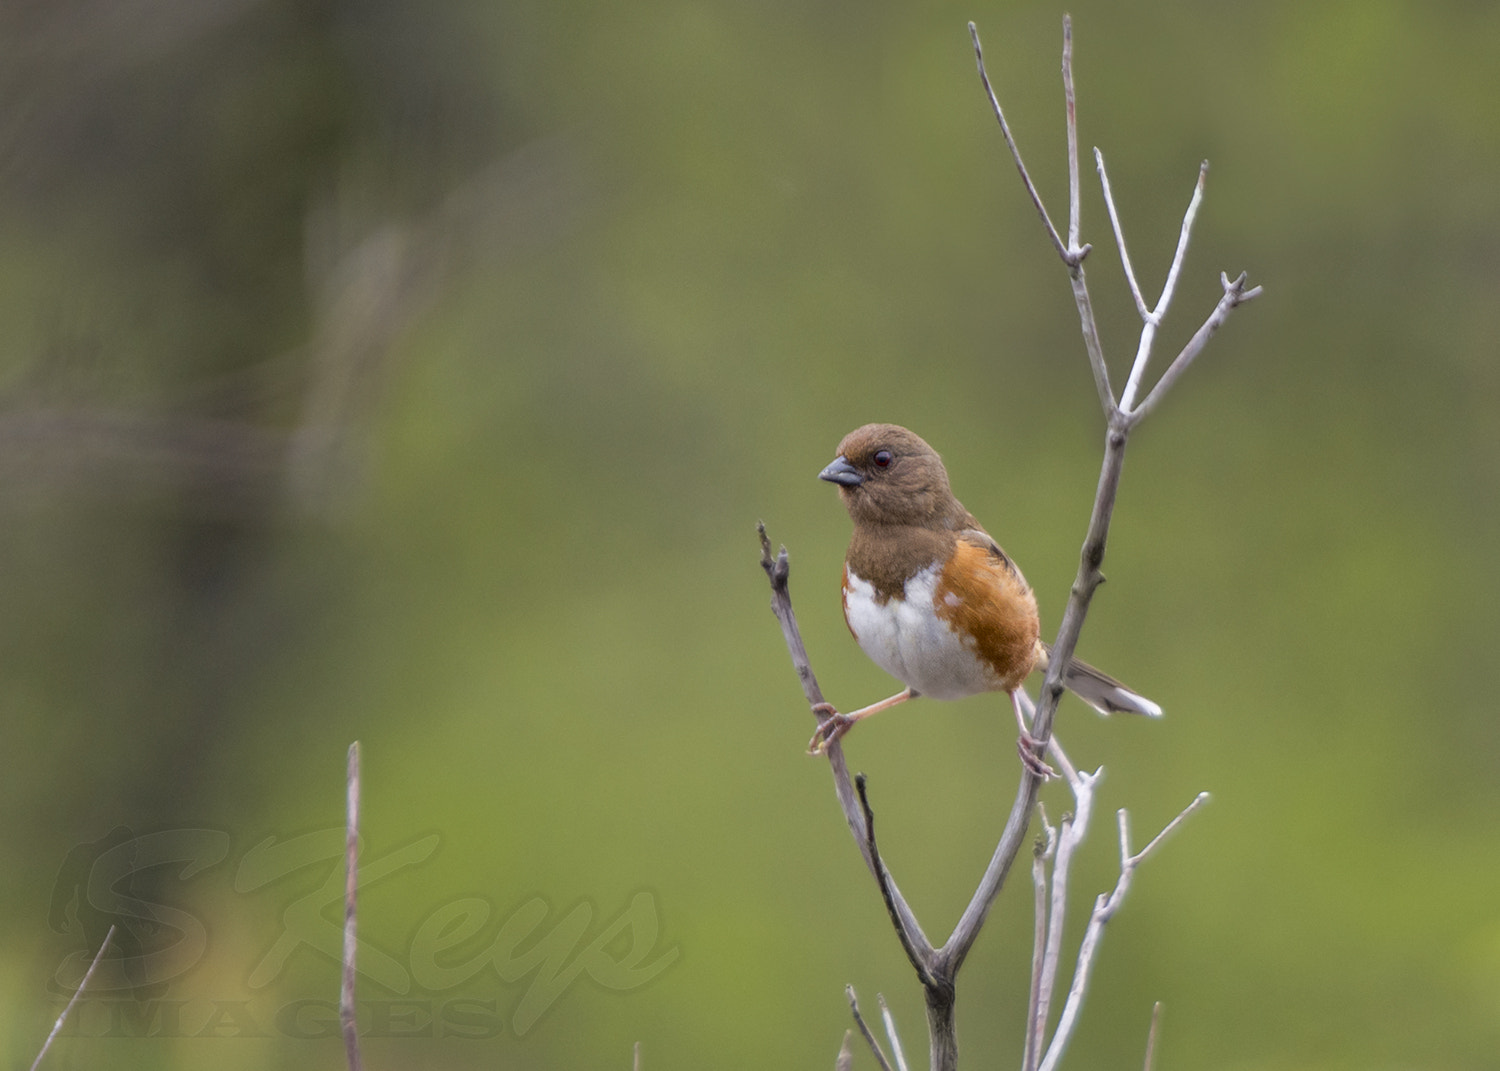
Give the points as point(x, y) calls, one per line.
point(839, 471)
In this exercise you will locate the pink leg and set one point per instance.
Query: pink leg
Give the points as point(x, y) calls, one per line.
point(1029, 747)
point(835, 725)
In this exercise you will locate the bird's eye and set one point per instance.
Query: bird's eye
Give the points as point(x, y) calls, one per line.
point(883, 459)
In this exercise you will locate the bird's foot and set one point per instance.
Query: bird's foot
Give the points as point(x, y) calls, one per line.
point(1031, 751)
point(832, 726)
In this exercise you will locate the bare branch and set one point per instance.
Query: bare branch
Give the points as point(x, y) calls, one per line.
point(1235, 295)
point(845, 1060)
point(68, 1008)
point(347, 1016)
point(919, 957)
point(1188, 219)
point(1075, 202)
point(1151, 1036)
point(778, 571)
point(1040, 853)
point(1198, 801)
point(859, 1021)
point(890, 1033)
point(1015, 152)
point(1114, 222)
point(1104, 909)
point(1156, 315)
point(1071, 833)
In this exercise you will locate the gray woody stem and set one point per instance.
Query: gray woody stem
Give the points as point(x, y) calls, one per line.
point(1104, 909)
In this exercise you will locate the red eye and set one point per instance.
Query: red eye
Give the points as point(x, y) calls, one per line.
point(883, 459)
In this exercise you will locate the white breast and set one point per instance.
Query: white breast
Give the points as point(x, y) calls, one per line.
point(907, 639)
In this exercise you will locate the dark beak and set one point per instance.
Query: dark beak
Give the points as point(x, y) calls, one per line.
point(839, 471)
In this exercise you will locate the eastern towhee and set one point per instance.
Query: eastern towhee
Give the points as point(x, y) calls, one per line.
point(930, 596)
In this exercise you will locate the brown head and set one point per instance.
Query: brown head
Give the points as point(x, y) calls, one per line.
point(890, 476)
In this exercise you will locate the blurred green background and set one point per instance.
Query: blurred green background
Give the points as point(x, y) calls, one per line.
point(417, 374)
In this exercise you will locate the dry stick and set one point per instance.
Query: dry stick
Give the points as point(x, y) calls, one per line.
point(347, 1017)
point(1071, 834)
point(1104, 909)
point(636, 1061)
point(859, 1021)
point(890, 1032)
point(1075, 206)
point(1072, 254)
point(778, 571)
point(1036, 198)
point(1235, 295)
point(1114, 222)
point(1152, 317)
point(68, 1008)
point(1151, 1036)
point(845, 1059)
point(1041, 852)
point(883, 879)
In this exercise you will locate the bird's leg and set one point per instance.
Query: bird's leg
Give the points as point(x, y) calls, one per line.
point(1029, 747)
point(835, 725)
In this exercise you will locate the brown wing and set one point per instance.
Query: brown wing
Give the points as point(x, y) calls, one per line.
point(982, 595)
point(980, 538)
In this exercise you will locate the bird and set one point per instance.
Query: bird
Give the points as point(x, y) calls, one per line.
point(931, 597)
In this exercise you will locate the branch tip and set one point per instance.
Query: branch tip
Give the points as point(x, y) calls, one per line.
point(859, 1021)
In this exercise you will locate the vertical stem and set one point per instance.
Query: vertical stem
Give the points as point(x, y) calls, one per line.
point(941, 1029)
point(347, 1016)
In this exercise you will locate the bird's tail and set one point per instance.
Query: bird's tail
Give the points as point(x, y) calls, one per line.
point(1100, 690)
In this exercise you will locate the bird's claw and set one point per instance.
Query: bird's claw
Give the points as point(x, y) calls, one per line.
point(830, 729)
point(1031, 751)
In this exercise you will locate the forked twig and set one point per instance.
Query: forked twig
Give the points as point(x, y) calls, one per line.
point(1015, 153)
point(1235, 295)
point(1104, 909)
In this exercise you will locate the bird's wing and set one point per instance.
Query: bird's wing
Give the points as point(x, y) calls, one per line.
point(978, 537)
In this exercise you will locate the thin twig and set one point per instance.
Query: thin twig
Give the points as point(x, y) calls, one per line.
point(1114, 222)
point(1015, 153)
point(68, 1008)
point(1183, 236)
point(1235, 295)
point(1071, 834)
point(1075, 207)
point(1105, 907)
point(778, 571)
point(845, 1059)
point(859, 1021)
point(1153, 319)
point(347, 1016)
point(1040, 853)
point(1151, 1036)
point(635, 1062)
point(890, 1032)
point(919, 957)
point(1198, 801)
